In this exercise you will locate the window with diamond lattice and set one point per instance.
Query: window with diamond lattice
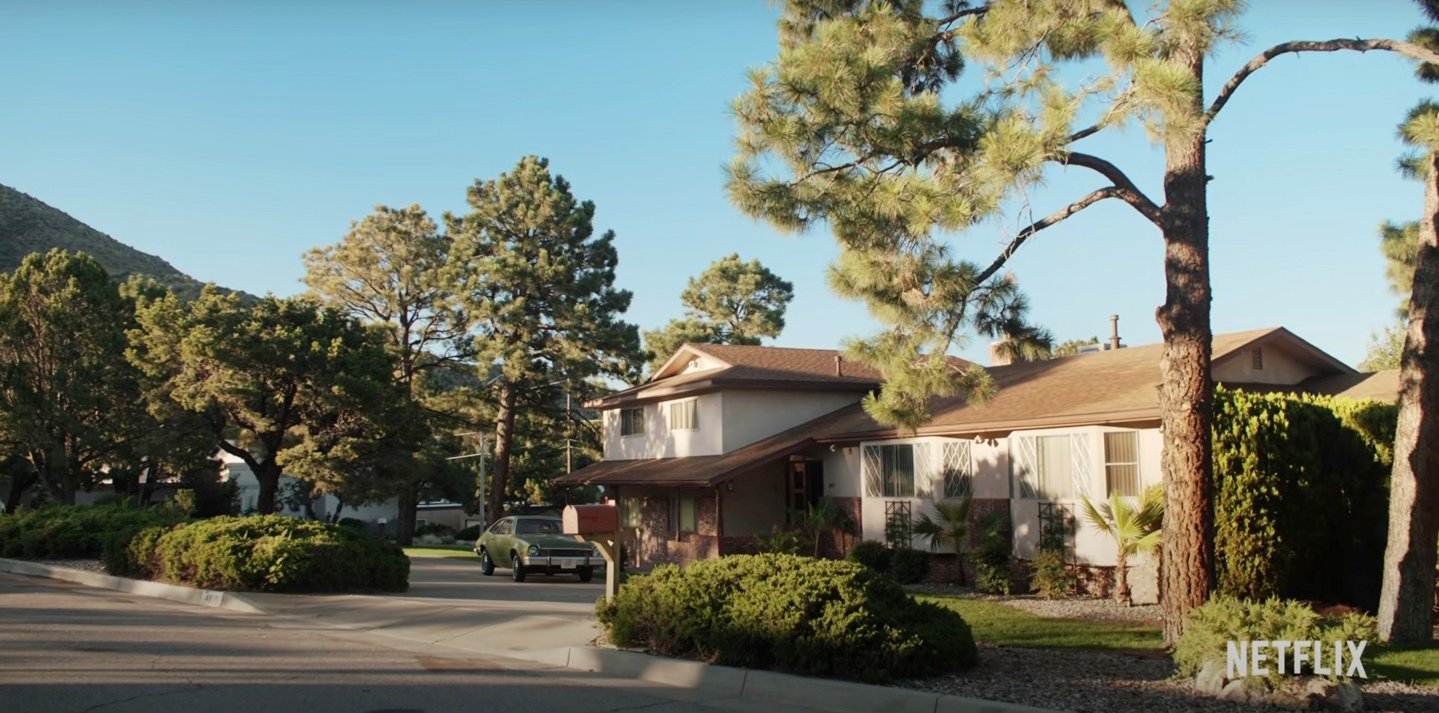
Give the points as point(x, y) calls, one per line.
point(955, 470)
point(898, 524)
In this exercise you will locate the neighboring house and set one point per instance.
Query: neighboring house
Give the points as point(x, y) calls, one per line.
point(379, 516)
point(723, 441)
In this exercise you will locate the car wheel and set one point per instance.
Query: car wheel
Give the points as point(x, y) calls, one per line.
point(487, 565)
point(517, 570)
point(586, 574)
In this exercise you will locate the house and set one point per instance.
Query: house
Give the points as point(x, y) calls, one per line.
point(378, 516)
point(723, 441)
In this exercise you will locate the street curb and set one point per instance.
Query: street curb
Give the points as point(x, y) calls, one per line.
point(721, 681)
point(727, 681)
point(175, 593)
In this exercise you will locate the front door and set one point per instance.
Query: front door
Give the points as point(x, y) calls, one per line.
point(805, 486)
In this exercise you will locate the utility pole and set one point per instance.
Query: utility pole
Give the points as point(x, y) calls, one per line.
point(480, 492)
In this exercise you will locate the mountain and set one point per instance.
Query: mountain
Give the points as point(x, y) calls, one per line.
point(28, 225)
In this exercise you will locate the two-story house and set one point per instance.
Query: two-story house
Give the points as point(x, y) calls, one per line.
point(723, 441)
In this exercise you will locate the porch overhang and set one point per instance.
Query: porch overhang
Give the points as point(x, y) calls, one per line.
point(687, 472)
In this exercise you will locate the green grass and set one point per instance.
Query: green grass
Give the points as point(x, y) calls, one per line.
point(454, 552)
point(996, 623)
point(1419, 665)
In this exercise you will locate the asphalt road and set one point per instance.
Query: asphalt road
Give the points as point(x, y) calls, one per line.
point(70, 649)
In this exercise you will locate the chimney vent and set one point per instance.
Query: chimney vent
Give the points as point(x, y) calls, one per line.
point(998, 355)
point(838, 370)
point(1113, 331)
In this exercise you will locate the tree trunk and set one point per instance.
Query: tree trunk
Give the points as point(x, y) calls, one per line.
point(1406, 613)
point(1186, 396)
point(504, 441)
point(409, 501)
point(1121, 580)
point(268, 476)
point(20, 483)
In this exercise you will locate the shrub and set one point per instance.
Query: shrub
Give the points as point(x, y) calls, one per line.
point(1300, 503)
point(68, 531)
point(991, 553)
point(269, 553)
point(783, 541)
point(789, 613)
point(469, 534)
point(1050, 576)
point(354, 523)
point(909, 566)
point(873, 555)
point(1209, 628)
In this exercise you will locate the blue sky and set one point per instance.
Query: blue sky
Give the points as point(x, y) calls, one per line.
point(228, 138)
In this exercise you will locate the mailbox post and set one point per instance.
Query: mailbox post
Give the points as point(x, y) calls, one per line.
point(599, 524)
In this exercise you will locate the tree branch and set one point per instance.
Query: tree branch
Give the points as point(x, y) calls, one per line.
point(1408, 49)
point(1023, 235)
point(1126, 190)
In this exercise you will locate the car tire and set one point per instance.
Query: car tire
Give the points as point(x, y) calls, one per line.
point(517, 570)
point(487, 565)
point(586, 574)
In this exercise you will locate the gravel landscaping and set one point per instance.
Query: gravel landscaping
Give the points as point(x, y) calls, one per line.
point(1087, 680)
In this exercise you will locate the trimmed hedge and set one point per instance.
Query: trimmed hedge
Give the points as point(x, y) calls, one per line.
point(268, 553)
point(1300, 496)
point(792, 614)
point(76, 532)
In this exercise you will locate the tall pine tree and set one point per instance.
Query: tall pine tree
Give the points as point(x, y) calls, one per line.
point(731, 302)
point(855, 114)
point(390, 272)
point(539, 289)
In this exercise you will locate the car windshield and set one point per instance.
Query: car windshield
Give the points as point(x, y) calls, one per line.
point(537, 527)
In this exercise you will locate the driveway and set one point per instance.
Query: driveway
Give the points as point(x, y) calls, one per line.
point(451, 604)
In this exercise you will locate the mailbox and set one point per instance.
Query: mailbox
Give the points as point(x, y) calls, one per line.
point(591, 519)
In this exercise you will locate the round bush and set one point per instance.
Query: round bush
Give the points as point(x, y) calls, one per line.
point(909, 566)
point(1209, 628)
point(269, 553)
point(872, 554)
point(789, 613)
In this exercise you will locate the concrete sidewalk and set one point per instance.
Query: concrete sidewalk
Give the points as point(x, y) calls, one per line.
point(553, 634)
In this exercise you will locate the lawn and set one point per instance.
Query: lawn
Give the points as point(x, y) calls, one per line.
point(995, 623)
point(1416, 665)
point(454, 552)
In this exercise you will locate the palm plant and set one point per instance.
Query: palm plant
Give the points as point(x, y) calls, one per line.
point(822, 518)
point(1134, 530)
point(951, 527)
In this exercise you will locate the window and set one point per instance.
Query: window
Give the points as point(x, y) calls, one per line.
point(632, 421)
point(688, 513)
point(889, 471)
point(1121, 462)
point(956, 471)
point(684, 415)
point(632, 510)
point(1044, 466)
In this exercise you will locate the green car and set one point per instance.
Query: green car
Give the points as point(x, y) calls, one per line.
point(535, 545)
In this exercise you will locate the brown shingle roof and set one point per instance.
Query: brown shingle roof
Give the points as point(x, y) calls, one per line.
point(1377, 386)
point(1120, 386)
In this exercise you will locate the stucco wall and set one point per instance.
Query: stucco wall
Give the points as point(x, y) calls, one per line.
point(756, 502)
point(658, 441)
point(750, 416)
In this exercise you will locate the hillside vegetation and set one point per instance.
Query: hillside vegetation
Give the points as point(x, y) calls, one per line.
point(28, 225)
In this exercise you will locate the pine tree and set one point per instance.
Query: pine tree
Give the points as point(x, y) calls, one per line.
point(1406, 613)
point(390, 272)
point(539, 288)
point(731, 302)
point(68, 399)
point(854, 112)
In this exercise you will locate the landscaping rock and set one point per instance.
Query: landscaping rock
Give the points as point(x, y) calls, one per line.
point(1234, 692)
point(1210, 680)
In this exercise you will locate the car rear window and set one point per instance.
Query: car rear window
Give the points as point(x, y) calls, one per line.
point(540, 527)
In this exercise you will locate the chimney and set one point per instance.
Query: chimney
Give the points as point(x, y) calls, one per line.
point(998, 356)
point(1113, 331)
point(838, 371)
